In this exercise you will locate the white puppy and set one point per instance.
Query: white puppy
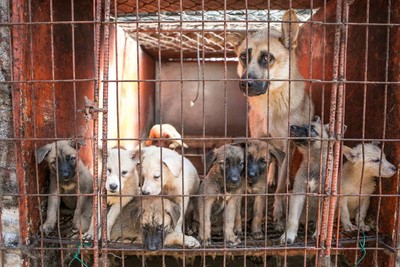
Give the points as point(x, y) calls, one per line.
point(121, 185)
point(374, 164)
point(163, 172)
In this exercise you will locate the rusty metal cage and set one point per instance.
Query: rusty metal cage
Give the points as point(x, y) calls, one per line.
point(105, 72)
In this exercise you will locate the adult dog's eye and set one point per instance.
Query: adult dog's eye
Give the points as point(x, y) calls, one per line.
point(243, 56)
point(268, 58)
point(124, 172)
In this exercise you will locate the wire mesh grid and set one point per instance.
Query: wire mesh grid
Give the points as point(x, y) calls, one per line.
point(106, 72)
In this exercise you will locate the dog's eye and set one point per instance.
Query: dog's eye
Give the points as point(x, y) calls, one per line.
point(243, 56)
point(376, 160)
point(145, 227)
point(108, 170)
point(241, 164)
point(160, 228)
point(263, 160)
point(157, 176)
point(268, 58)
point(72, 158)
point(124, 172)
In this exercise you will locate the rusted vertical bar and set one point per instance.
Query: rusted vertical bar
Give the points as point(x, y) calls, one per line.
point(105, 129)
point(332, 159)
point(97, 47)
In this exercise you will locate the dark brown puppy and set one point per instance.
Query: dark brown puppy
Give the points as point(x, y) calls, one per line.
point(222, 193)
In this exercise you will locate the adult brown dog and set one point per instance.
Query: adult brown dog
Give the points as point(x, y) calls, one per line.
point(221, 193)
point(277, 97)
point(66, 168)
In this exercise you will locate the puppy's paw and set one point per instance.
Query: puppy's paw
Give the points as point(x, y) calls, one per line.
point(191, 242)
point(47, 228)
point(258, 235)
point(364, 227)
point(289, 237)
point(88, 235)
point(206, 242)
point(233, 242)
point(349, 227)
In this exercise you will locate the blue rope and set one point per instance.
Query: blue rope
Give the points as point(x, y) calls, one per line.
point(77, 256)
point(362, 248)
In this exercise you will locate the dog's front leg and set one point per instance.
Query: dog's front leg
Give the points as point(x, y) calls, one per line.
point(281, 188)
point(238, 218)
point(295, 209)
point(53, 204)
point(205, 205)
point(362, 213)
point(258, 213)
point(112, 216)
point(345, 215)
point(229, 221)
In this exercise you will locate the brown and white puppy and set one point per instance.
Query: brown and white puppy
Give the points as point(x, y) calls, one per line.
point(163, 173)
point(220, 194)
point(166, 131)
point(158, 218)
point(276, 94)
point(65, 172)
point(364, 163)
point(122, 185)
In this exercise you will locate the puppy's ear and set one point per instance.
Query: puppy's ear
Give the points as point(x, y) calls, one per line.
point(236, 39)
point(290, 31)
point(77, 143)
point(376, 143)
point(42, 152)
point(174, 164)
point(134, 155)
point(317, 119)
point(209, 159)
point(349, 154)
point(173, 210)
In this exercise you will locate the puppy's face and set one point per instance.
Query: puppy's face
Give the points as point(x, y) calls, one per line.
point(257, 158)
point(309, 134)
point(61, 159)
point(374, 162)
point(156, 171)
point(120, 167)
point(230, 160)
point(158, 218)
point(264, 57)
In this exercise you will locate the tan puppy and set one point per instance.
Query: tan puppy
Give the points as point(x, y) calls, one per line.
point(158, 217)
point(127, 229)
point(166, 175)
point(220, 194)
point(362, 163)
point(66, 168)
point(121, 185)
point(267, 62)
point(166, 131)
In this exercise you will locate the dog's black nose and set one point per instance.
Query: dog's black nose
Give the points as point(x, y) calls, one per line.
point(394, 168)
point(113, 187)
point(145, 192)
point(252, 174)
point(248, 83)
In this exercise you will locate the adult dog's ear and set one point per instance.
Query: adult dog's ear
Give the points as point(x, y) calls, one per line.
point(236, 39)
point(290, 31)
point(173, 163)
point(173, 210)
point(76, 143)
point(211, 156)
point(42, 152)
